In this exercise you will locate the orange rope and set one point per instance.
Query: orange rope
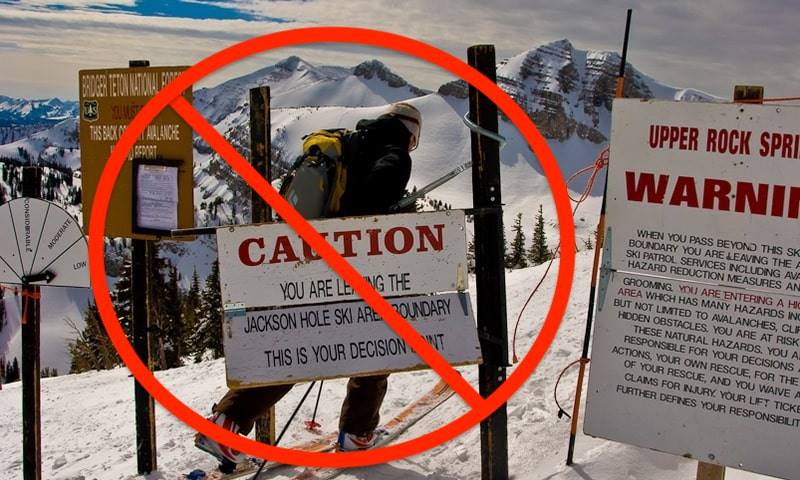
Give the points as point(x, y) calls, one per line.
point(27, 297)
point(600, 162)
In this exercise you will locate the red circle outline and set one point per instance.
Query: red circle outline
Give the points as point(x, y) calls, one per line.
point(349, 35)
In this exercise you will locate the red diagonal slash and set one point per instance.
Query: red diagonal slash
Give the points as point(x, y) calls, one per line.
point(327, 252)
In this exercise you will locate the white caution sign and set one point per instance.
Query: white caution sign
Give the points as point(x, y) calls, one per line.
point(289, 345)
point(404, 254)
point(697, 338)
point(41, 244)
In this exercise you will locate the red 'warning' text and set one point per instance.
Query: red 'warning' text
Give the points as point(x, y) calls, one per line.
point(714, 194)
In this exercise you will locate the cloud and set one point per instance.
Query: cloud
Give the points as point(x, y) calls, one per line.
point(709, 45)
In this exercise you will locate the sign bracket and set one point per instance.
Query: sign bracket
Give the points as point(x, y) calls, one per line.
point(47, 276)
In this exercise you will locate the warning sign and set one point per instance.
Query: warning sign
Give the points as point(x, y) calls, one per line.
point(288, 345)
point(109, 100)
point(404, 254)
point(696, 344)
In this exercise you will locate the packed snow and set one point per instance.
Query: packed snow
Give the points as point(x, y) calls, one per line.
point(88, 419)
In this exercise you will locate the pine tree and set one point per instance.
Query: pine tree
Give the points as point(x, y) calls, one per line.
point(208, 335)
point(190, 314)
point(157, 306)
point(15, 371)
point(174, 332)
point(122, 299)
point(539, 253)
point(516, 259)
point(92, 348)
point(12, 371)
point(417, 205)
point(471, 255)
point(2, 305)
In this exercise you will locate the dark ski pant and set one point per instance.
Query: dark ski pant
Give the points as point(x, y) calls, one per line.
point(360, 411)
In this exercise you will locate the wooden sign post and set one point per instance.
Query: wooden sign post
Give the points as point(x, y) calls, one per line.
point(31, 361)
point(261, 159)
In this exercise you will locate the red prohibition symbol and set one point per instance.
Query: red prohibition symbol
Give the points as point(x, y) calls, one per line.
point(170, 95)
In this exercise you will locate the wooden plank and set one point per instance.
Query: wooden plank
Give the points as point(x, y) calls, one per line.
point(709, 471)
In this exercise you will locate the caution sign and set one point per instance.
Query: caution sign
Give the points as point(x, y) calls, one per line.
point(696, 348)
point(289, 317)
point(109, 100)
point(288, 345)
point(404, 254)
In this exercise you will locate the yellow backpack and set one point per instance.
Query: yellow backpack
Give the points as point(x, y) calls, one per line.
point(317, 180)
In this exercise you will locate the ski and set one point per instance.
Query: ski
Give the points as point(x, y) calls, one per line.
point(395, 427)
point(323, 443)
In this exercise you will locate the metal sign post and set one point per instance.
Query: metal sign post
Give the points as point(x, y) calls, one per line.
point(146, 456)
point(584, 360)
point(145, 406)
point(490, 274)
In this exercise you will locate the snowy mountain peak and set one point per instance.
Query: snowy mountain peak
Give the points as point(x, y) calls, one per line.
point(293, 63)
point(561, 48)
point(20, 111)
point(295, 82)
point(567, 91)
point(376, 68)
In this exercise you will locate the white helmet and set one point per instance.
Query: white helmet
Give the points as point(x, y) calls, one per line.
point(411, 118)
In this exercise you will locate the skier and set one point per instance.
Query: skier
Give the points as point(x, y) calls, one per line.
point(376, 180)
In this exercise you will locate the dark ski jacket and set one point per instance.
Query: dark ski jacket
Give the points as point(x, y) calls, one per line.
point(379, 167)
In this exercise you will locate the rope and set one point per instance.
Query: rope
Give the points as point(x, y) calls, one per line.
point(561, 411)
point(27, 297)
point(600, 162)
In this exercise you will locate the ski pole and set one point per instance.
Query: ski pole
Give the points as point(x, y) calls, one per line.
point(286, 427)
point(406, 201)
point(595, 267)
point(312, 425)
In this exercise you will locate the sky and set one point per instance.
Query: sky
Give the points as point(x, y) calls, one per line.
point(710, 45)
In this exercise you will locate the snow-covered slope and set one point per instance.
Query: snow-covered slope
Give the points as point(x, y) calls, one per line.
point(21, 117)
point(90, 436)
point(57, 144)
point(306, 97)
